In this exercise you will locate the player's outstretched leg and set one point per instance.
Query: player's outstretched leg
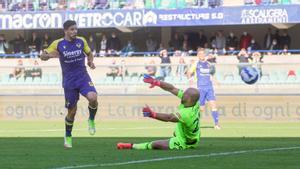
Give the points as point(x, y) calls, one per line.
point(160, 144)
point(69, 120)
point(93, 106)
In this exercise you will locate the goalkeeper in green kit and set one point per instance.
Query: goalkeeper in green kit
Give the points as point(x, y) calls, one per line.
point(187, 133)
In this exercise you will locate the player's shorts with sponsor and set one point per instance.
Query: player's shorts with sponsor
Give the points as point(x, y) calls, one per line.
point(83, 85)
point(178, 143)
point(206, 94)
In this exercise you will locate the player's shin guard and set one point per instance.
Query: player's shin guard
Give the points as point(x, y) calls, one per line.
point(142, 146)
point(69, 126)
point(92, 111)
point(215, 115)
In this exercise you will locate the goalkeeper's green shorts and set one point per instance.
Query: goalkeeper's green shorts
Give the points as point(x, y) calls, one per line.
point(177, 143)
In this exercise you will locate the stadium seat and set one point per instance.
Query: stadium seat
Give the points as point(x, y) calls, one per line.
point(118, 80)
point(4, 79)
point(28, 81)
point(37, 81)
point(45, 79)
point(134, 80)
point(100, 81)
point(53, 79)
point(228, 79)
point(264, 79)
point(109, 80)
point(291, 80)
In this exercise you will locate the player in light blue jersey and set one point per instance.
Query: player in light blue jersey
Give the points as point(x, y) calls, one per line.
point(203, 71)
point(72, 51)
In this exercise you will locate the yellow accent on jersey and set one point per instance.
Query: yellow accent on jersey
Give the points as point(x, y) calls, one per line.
point(86, 47)
point(53, 46)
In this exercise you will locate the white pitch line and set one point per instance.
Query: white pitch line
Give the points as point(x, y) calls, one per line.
point(137, 128)
point(56, 130)
point(180, 157)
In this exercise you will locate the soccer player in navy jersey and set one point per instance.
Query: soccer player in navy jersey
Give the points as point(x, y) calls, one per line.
point(203, 71)
point(71, 51)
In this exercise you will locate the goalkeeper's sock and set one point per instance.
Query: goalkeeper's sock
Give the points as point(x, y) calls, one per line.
point(69, 126)
point(215, 115)
point(92, 111)
point(142, 146)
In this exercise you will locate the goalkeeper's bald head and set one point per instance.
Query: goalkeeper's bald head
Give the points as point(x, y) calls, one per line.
point(190, 97)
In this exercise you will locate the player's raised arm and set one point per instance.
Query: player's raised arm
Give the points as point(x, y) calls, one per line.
point(164, 85)
point(147, 112)
point(50, 52)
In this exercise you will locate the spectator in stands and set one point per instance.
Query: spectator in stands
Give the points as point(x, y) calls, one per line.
point(101, 4)
point(245, 40)
point(43, 5)
point(253, 46)
point(34, 44)
point(176, 42)
point(92, 44)
point(123, 69)
point(18, 44)
point(151, 44)
point(113, 44)
point(249, 2)
point(274, 45)
point(268, 39)
point(185, 48)
point(161, 47)
point(181, 70)
point(18, 71)
point(202, 39)
point(186, 40)
point(277, 36)
point(231, 43)
point(35, 72)
point(220, 42)
point(103, 45)
point(165, 70)
point(128, 50)
point(2, 6)
point(114, 70)
point(3, 44)
point(243, 58)
point(215, 3)
point(151, 68)
point(46, 41)
point(201, 3)
point(285, 51)
point(285, 40)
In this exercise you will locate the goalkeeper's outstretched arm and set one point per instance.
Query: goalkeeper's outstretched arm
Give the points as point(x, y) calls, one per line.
point(169, 87)
point(164, 85)
point(147, 112)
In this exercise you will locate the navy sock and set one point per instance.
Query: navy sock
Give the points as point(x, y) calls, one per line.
point(92, 112)
point(215, 116)
point(69, 126)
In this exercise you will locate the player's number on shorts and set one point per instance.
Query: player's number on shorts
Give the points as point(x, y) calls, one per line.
point(196, 122)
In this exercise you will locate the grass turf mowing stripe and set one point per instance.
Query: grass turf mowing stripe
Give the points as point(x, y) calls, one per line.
point(180, 157)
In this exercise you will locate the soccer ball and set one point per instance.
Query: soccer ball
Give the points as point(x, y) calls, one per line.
point(249, 74)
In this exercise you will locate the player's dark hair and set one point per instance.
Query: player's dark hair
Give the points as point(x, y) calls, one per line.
point(68, 24)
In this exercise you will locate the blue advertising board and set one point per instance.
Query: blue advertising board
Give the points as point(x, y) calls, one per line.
point(156, 17)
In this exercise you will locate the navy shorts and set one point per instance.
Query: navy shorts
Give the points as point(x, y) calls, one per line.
point(72, 94)
point(206, 95)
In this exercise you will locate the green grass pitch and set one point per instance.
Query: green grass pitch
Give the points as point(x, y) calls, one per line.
point(243, 145)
